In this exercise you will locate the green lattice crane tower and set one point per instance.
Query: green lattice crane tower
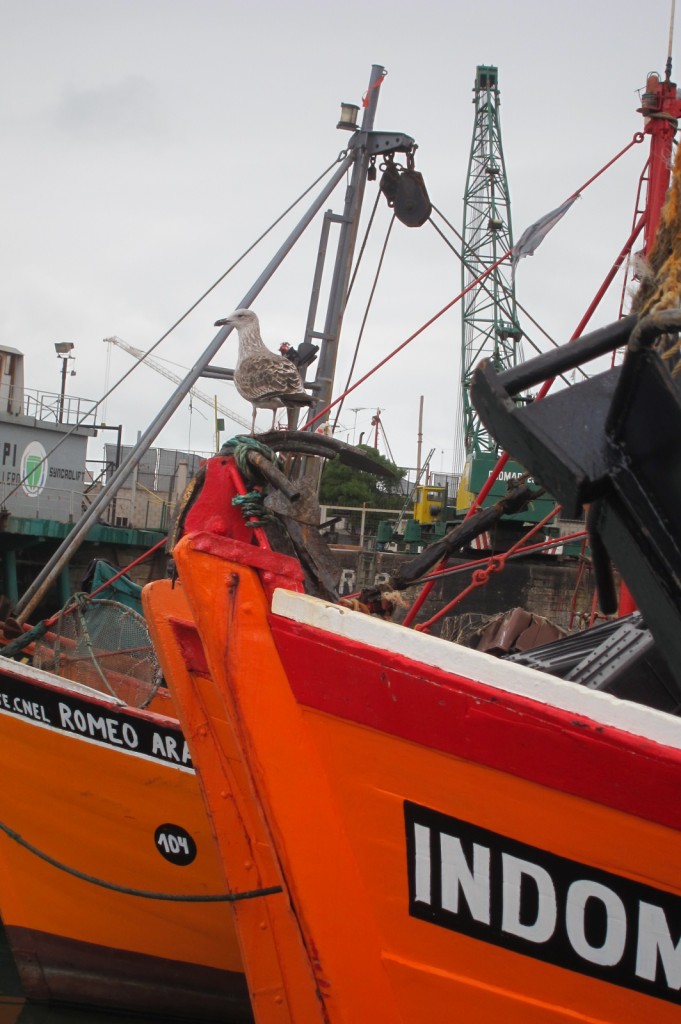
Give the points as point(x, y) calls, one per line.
point(490, 328)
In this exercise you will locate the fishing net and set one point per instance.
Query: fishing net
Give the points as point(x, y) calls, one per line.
point(104, 645)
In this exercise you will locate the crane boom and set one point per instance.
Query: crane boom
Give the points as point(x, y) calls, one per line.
point(489, 321)
point(490, 328)
point(177, 379)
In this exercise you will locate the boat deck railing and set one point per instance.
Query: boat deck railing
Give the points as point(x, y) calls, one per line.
point(69, 409)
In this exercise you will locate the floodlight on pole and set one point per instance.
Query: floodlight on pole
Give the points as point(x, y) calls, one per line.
point(63, 350)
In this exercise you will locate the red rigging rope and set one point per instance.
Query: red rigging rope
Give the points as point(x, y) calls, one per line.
point(503, 459)
point(476, 563)
point(122, 572)
point(31, 633)
point(526, 549)
point(404, 344)
point(495, 564)
point(545, 388)
point(591, 309)
point(636, 139)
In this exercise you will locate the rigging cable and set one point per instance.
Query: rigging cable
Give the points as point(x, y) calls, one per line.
point(482, 576)
point(544, 545)
point(385, 440)
point(522, 309)
point(395, 351)
point(362, 248)
point(177, 323)
point(366, 314)
point(545, 388)
point(127, 890)
point(32, 633)
point(638, 137)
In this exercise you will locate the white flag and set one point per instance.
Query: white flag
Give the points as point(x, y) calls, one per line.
point(532, 237)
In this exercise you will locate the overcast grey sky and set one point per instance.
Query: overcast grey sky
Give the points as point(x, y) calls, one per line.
point(147, 143)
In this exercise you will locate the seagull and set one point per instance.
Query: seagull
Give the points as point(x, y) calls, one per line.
point(263, 378)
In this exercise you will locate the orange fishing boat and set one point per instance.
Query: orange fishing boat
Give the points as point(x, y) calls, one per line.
point(432, 832)
point(447, 830)
point(111, 891)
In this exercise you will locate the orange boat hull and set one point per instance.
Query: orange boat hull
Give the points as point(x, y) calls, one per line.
point(450, 847)
point(101, 806)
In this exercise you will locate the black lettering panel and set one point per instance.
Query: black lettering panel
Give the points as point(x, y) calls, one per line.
point(492, 888)
point(104, 724)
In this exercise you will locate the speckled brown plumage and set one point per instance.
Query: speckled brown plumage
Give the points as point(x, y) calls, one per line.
point(263, 378)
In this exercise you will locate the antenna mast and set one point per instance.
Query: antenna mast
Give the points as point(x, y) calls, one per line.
point(490, 328)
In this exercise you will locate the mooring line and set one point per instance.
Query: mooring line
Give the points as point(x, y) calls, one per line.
point(143, 893)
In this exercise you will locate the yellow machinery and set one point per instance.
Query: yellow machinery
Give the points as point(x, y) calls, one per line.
point(430, 504)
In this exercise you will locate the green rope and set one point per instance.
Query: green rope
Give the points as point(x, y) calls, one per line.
point(143, 893)
point(16, 646)
point(239, 446)
point(38, 631)
point(251, 504)
point(252, 507)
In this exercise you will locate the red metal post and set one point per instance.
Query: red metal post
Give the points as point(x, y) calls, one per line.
point(661, 108)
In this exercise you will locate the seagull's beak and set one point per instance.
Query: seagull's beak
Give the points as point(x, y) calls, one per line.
point(221, 323)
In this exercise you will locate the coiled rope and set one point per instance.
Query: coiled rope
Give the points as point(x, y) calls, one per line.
point(252, 503)
point(240, 445)
point(661, 275)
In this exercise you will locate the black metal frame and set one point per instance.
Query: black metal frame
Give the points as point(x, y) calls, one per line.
point(610, 443)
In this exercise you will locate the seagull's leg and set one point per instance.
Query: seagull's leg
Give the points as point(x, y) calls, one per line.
point(253, 422)
point(274, 418)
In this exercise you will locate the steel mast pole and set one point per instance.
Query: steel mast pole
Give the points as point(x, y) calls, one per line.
point(62, 393)
point(70, 544)
point(489, 321)
point(346, 246)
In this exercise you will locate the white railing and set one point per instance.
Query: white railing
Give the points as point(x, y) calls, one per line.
point(48, 408)
point(357, 527)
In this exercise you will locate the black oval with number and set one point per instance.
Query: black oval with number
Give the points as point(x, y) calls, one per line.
point(175, 844)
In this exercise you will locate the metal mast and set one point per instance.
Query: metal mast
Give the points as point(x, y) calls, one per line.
point(490, 327)
point(364, 144)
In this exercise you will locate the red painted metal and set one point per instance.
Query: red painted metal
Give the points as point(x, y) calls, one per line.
point(221, 529)
point(661, 107)
point(211, 511)
point(492, 727)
